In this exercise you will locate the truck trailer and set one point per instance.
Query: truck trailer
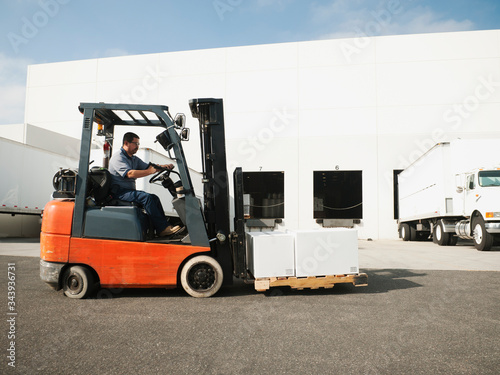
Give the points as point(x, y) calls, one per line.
point(26, 186)
point(452, 191)
point(90, 239)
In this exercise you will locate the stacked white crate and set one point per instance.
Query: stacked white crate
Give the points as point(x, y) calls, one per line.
point(270, 254)
point(303, 253)
point(326, 252)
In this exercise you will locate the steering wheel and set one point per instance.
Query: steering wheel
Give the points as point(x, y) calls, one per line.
point(160, 175)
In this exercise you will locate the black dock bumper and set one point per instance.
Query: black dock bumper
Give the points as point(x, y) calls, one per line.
point(49, 272)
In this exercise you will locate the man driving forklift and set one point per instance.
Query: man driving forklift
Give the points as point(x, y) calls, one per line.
point(125, 168)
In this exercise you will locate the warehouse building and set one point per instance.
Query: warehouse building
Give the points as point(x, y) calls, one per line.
point(320, 128)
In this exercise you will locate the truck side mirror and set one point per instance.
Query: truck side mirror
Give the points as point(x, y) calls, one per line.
point(460, 189)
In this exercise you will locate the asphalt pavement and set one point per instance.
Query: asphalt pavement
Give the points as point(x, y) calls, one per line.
point(426, 309)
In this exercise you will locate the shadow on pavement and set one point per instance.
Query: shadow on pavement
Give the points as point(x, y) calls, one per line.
point(385, 280)
point(379, 281)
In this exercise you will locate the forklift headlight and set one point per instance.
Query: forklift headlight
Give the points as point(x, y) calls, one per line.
point(221, 237)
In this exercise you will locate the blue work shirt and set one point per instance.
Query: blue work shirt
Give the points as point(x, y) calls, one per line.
point(120, 164)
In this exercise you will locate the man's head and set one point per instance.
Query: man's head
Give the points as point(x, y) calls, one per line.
point(130, 143)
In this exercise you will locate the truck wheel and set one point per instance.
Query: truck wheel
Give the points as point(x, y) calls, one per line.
point(440, 236)
point(77, 282)
point(453, 240)
point(201, 276)
point(482, 239)
point(405, 232)
point(413, 233)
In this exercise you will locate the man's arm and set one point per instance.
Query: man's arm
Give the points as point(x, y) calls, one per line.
point(138, 173)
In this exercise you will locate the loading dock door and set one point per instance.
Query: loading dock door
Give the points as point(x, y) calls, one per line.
point(265, 192)
point(395, 174)
point(338, 195)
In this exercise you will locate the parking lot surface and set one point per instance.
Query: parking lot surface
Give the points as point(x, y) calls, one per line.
point(427, 309)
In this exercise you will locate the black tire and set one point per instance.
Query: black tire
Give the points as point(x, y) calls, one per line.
point(453, 240)
point(405, 232)
point(440, 236)
point(413, 233)
point(482, 239)
point(78, 282)
point(201, 276)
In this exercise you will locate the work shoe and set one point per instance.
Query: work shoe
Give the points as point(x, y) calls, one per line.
point(168, 231)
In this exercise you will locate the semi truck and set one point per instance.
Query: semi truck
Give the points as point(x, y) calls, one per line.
point(90, 239)
point(26, 186)
point(452, 191)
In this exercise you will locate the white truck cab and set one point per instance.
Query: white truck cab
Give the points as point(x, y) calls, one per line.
point(481, 205)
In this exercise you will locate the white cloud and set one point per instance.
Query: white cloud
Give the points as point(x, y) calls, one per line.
point(13, 69)
point(352, 18)
point(12, 99)
point(12, 88)
point(424, 20)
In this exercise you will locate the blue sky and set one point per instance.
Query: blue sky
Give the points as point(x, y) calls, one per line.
point(41, 31)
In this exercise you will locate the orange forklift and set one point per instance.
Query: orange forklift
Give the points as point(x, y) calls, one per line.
point(91, 240)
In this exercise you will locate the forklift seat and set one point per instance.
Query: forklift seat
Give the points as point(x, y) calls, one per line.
point(99, 188)
point(113, 218)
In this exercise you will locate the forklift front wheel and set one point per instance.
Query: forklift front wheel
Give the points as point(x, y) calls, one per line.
point(201, 276)
point(77, 282)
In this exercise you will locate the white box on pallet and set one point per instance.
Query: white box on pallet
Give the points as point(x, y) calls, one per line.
point(326, 252)
point(270, 254)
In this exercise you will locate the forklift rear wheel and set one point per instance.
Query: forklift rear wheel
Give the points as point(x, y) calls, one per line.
point(201, 276)
point(77, 282)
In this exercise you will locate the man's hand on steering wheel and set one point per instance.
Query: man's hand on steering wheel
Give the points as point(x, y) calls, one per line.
point(161, 167)
point(162, 171)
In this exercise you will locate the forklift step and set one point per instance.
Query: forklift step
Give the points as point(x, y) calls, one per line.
point(310, 282)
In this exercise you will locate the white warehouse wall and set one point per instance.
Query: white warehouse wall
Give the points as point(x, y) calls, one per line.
point(373, 105)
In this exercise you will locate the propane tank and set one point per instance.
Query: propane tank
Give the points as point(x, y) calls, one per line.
point(106, 147)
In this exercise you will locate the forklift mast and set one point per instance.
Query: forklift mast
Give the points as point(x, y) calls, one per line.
point(210, 114)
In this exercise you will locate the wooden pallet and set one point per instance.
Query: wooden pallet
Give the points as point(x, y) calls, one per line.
point(310, 282)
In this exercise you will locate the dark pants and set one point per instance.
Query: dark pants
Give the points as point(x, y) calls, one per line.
point(150, 202)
